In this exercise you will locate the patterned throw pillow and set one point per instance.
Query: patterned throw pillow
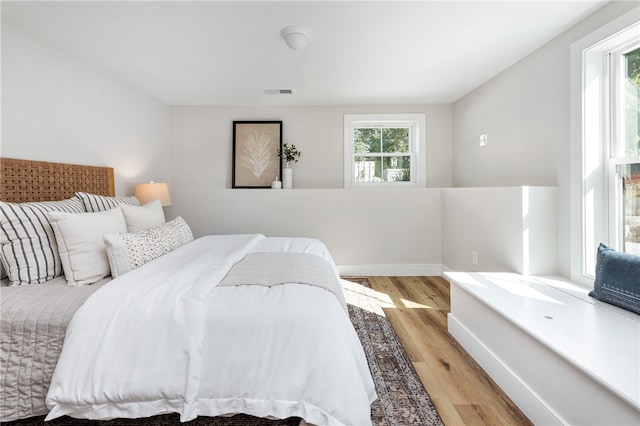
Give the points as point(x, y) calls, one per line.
point(27, 243)
point(100, 203)
point(127, 251)
point(617, 279)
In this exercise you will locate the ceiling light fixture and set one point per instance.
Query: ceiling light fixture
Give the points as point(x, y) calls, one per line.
point(296, 38)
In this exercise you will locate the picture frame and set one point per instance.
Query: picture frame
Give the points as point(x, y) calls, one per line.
point(255, 153)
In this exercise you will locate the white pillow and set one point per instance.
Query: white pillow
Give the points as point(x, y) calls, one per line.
point(127, 251)
point(79, 237)
point(139, 218)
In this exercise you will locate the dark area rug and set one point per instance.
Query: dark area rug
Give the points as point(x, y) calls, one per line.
point(161, 420)
point(402, 400)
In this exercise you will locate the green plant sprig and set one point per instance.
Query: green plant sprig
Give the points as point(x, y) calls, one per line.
point(289, 153)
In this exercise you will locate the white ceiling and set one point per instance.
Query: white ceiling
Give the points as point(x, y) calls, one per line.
point(227, 53)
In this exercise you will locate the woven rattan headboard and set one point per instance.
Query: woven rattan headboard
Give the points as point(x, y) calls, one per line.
point(25, 180)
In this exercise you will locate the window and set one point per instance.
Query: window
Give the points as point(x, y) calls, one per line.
point(384, 149)
point(624, 165)
point(606, 143)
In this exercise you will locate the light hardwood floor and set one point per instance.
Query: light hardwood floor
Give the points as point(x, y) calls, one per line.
point(461, 391)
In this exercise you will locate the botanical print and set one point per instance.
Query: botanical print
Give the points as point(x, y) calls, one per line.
point(255, 153)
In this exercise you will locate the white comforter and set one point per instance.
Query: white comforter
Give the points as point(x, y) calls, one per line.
point(163, 338)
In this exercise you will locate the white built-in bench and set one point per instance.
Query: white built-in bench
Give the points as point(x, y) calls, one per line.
point(561, 356)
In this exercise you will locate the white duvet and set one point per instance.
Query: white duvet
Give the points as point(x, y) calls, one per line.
point(164, 338)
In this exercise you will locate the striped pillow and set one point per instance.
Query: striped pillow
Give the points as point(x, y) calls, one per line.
point(27, 243)
point(100, 203)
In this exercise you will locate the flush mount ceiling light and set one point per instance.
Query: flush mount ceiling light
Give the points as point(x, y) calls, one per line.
point(296, 38)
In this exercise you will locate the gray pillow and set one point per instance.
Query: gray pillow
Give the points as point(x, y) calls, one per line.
point(617, 279)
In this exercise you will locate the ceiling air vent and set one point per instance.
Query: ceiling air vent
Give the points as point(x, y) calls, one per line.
point(278, 91)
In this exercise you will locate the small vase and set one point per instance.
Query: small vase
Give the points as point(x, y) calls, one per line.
point(287, 177)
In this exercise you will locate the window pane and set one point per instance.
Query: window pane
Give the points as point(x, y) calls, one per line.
point(367, 169)
point(382, 148)
point(631, 206)
point(396, 169)
point(366, 140)
point(395, 140)
point(632, 110)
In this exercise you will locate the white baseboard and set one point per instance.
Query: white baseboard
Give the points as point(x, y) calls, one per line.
point(390, 270)
point(445, 268)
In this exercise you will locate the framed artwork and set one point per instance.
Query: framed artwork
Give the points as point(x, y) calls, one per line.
point(255, 153)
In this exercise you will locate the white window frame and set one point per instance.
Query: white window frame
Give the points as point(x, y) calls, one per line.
point(593, 161)
point(416, 122)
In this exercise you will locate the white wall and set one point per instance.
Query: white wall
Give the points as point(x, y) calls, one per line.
point(365, 229)
point(368, 232)
point(512, 229)
point(58, 108)
point(525, 112)
point(201, 141)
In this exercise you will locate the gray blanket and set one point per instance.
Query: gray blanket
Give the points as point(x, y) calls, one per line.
point(33, 321)
point(269, 269)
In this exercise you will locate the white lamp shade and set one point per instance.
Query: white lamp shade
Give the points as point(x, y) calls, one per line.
point(146, 192)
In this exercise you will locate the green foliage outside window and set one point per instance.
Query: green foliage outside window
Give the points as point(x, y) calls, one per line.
point(630, 173)
point(404, 176)
point(632, 111)
point(391, 145)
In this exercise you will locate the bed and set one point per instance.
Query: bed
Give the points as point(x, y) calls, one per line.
point(218, 325)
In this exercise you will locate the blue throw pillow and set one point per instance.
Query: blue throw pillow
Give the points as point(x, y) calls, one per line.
point(617, 279)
